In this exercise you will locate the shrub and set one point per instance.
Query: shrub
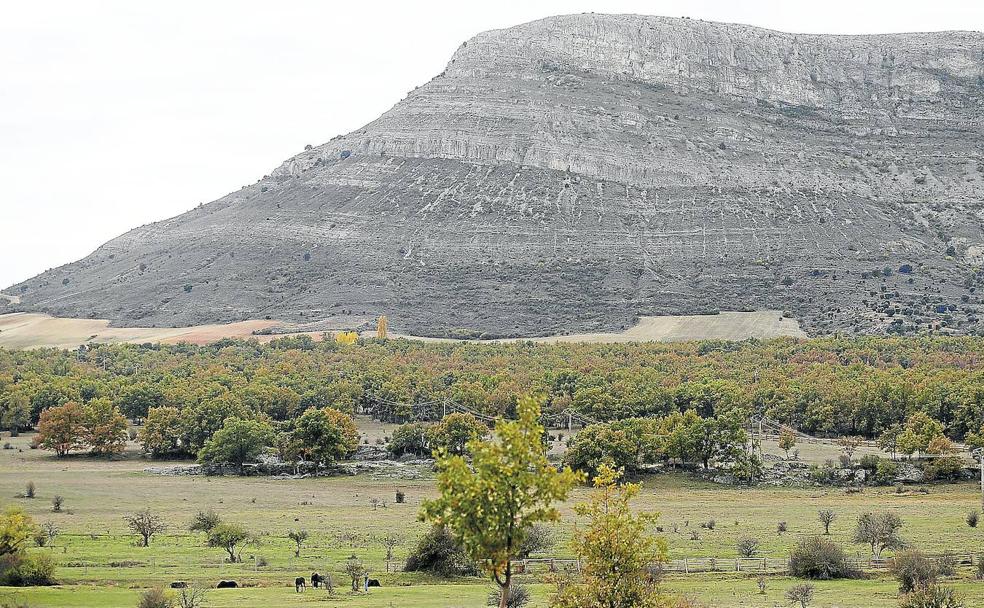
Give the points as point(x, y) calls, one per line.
point(885, 472)
point(933, 596)
point(29, 490)
point(400, 497)
point(972, 518)
point(56, 503)
point(27, 570)
point(781, 527)
point(979, 571)
point(438, 552)
point(826, 517)
point(155, 597)
point(802, 594)
point(946, 564)
point(817, 558)
point(538, 539)
point(913, 570)
point(204, 521)
point(747, 547)
point(519, 596)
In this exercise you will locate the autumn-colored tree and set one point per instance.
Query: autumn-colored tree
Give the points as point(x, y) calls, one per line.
point(616, 551)
point(104, 427)
point(849, 445)
point(325, 435)
point(490, 503)
point(62, 428)
point(346, 337)
point(382, 327)
point(16, 530)
point(787, 441)
point(160, 434)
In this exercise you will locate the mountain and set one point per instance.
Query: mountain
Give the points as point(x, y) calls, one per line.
point(573, 173)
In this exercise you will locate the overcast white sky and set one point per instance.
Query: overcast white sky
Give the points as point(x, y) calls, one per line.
point(116, 114)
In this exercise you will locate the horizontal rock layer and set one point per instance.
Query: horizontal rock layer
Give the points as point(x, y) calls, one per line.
point(573, 173)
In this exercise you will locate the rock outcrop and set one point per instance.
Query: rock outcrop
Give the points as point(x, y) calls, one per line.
point(570, 174)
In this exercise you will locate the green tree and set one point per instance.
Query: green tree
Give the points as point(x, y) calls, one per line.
point(325, 435)
point(104, 427)
point(490, 504)
point(615, 549)
point(237, 442)
point(16, 413)
point(410, 438)
point(160, 434)
point(880, 531)
point(919, 432)
point(230, 537)
point(454, 432)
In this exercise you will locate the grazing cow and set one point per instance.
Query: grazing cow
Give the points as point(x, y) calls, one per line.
point(299, 584)
point(315, 579)
point(374, 582)
point(179, 585)
point(227, 585)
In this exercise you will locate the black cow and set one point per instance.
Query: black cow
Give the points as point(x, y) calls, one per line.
point(227, 585)
point(316, 579)
point(374, 582)
point(299, 584)
point(179, 585)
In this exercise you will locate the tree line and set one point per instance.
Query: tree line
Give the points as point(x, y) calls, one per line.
point(834, 386)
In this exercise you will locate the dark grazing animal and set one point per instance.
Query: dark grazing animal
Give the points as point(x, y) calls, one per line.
point(179, 585)
point(316, 579)
point(227, 585)
point(299, 584)
point(374, 582)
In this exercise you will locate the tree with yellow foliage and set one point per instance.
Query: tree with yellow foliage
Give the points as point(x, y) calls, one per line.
point(346, 337)
point(382, 326)
point(616, 551)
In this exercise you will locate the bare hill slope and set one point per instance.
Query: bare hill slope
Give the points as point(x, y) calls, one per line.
point(574, 173)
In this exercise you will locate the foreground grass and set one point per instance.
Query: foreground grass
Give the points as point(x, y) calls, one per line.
point(101, 566)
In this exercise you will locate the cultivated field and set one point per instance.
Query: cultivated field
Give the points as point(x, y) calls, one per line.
point(33, 330)
point(100, 566)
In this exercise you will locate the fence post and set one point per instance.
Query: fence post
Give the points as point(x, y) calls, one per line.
point(686, 568)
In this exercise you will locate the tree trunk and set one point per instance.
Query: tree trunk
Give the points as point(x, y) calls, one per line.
point(504, 589)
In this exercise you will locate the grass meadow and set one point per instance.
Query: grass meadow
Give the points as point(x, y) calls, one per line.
point(100, 564)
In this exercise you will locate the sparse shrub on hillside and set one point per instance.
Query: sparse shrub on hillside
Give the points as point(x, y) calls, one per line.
point(972, 518)
point(879, 531)
point(146, 524)
point(781, 527)
point(29, 490)
point(400, 497)
point(818, 558)
point(356, 571)
point(56, 503)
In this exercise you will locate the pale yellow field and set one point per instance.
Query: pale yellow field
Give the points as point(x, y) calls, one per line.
point(32, 330)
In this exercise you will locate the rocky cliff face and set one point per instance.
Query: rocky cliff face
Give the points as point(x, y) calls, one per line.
point(572, 173)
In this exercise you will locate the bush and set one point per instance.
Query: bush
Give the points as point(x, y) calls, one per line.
point(913, 570)
point(802, 594)
point(979, 571)
point(519, 596)
point(933, 596)
point(204, 521)
point(155, 597)
point(27, 570)
point(401, 497)
point(538, 539)
point(29, 490)
point(747, 547)
point(946, 564)
point(439, 553)
point(817, 558)
point(973, 518)
point(885, 471)
point(56, 503)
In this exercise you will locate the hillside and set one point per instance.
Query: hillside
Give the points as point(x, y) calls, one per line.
point(572, 174)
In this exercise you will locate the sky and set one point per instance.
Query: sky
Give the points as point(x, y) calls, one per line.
point(120, 113)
